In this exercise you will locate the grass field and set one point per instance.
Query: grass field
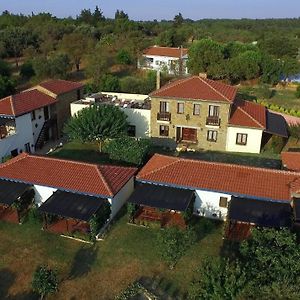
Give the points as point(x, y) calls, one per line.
point(100, 271)
point(89, 153)
point(282, 97)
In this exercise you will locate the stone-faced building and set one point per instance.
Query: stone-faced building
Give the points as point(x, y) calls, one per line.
point(65, 92)
point(200, 113)
point(194, 111)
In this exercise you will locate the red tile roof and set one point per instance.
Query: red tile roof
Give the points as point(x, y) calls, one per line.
point(197, 88)
point(90, 179)
point(249, 114)
point(226, 178)
point(58, 87)
point(165, 51)
point(24, 102)
point(291, 160)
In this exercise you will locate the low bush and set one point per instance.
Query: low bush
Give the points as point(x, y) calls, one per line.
point(173, 242)
point(128, 150)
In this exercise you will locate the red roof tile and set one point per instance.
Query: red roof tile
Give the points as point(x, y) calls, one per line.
point(226, 178)
point(249, 114)
point(58, 87)
point(165, 51)
point(291, 160)
point(197, 88)
point(91, 179)
point(24, 102)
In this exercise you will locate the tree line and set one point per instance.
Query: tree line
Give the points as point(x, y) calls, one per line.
point(52, 47)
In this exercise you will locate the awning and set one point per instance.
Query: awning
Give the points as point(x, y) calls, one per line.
point(260, 212)
point(70, 205)
point(11, 191)
point(161, 197)
point(276, 125)
point(297, 209)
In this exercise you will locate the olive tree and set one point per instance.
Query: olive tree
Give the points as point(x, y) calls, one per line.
point(97, 124)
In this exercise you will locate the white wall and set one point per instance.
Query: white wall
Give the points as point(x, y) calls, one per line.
point(42, 193)
point(161, 62)
point(76, 107)
point(207, 204)
point(141, 119)
point(253, 139)
point(23, 136)
point(120, 199)
point(39, 122)
point(127, 96)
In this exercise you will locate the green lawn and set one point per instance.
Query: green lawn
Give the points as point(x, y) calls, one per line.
point(89, 153)
point(282, 97)
point(96, 272)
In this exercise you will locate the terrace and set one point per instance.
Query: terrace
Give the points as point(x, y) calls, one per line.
point(122, 100)
point(68, 213)
point(160, 205)
point(7, 127)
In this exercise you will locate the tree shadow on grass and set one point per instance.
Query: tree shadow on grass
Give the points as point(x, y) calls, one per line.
point(7, 279)
point(83, 262)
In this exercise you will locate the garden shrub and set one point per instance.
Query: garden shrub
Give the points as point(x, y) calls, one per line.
point(173, 242)
point(99, 219)
point(297, 93)
point(128, 150)
point(131, 210)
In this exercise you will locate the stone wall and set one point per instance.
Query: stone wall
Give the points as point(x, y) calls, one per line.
point(187, 119)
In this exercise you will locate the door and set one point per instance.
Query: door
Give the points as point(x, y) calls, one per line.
point(46, 113)
point(178, 134)
point(189, 134)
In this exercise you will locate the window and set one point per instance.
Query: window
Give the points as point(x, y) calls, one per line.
point(241, 138)
point(131, 130)
point(213, 111)
point(180, 108)
point(164, 106)
point(196, 111)
point(163, 130)
point(33, 117)
point(223, 202)
point(14, 153)
point(212, 135)
point(78, 95)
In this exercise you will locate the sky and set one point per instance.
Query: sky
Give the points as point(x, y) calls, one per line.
point(162, 9)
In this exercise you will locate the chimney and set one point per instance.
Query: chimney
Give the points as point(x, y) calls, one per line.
point(158, 79)
point(203, 75)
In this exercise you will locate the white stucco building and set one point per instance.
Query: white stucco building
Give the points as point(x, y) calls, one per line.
point(137, 107)
point(165, 59)
point(215, 185)
point(73, 179)
point(25, 119)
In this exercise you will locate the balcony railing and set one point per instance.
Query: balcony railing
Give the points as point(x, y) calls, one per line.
point(214, 121)
point(164, 116)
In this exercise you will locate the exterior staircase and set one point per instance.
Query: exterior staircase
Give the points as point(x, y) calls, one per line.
point(41, 138)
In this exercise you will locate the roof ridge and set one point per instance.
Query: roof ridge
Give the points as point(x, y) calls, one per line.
point(12, 104)
point(209, 85)
point(63, 160)
point(250, 114)
point(104, 179)
point(14, 159)
point(172, 84)
point(253, 119)
point(176, 159)
point(233, 165)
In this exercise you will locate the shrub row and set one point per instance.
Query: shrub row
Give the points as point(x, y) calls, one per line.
point(278, 108)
